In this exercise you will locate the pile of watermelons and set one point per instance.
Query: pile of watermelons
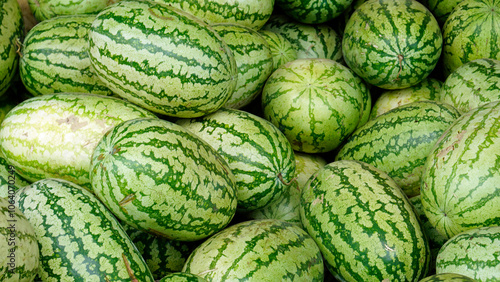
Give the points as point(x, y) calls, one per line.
point(258, 140)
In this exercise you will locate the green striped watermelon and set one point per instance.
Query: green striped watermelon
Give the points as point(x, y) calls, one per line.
point(18, 244)
point(363, 224)
point(392, 44)
point(399, 141)
point(11, 33)
point(473, 253)
point(163, 256)
point(309, 41)
point(10, 181)
point(473, 84)
point(460, 179)
point(441, 9)
point(316, 103)
point(281, 49)
point(55, 59)
point(313, 11)
point(47, 9)
point(157, 176)
point(447, 277)
point(257, 153)
point(427, 89)
point(258, 250)
point(254, 61)
point(471, 32)
point(79, 239)
point(250, 13)
point(54, 135)
point(162, 58)
point(182, 277)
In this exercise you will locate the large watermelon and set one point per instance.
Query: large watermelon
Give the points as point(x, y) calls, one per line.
point(54, 135)
point(157, 176)
point(392, 44)
point(79, 239)
point(55, 57)
point(471, 32)
point(162, 58)
point(11, 37)
point(459, 186)
point(364, 225)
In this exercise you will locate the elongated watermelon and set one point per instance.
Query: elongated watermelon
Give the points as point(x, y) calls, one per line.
point(316, 103)
point(258, 250)
point(54, 135)
point(363, 224)
point(79, 238)
point(162, 58)
point(55, 57)
point(399, 141)
point(254, 61)
point(258, 154)
point(460, 179)
point(473, 253)
point(11, 34)
point(18, 243)
point(392, 44)
point(471, 32)
point(159, 177)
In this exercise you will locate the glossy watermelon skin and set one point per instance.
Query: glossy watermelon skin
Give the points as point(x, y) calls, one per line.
point(158, 177)
point(55, 57)
point(471, 32)
point(472, 253)
point(54, 135)
point(79, 238)
point(11, 37)
point(363, 224)
point(459, 182)
point(162, 58)
point(20, 252)
point(258, 250)
point(316, 103)
point(473, 84)
point(399, 141)
point(253, 14)
point(392, 44)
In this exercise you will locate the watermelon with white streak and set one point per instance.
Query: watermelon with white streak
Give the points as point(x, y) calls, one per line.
point(54, 135)
point(162, 58)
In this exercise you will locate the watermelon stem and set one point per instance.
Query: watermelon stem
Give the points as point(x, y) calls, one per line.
point(129, 270)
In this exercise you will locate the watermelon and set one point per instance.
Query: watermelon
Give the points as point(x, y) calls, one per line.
point(253, 14)
point(363, 224)
point(399, 141)
point(316, 103)
point(254, 61)
point(257, 153)
point(182, 277)
point(281, 49)
point(392, 44)
point(473, 84)
point(157, 176)
point(18, 243)
point(427, 89)
point(55, 59)
point(163, 256)
point(10, 181)
point(162, 59)
point(258, 250)
point(441, 9)
point(447, 277)
point(308, 41)
point(460, 178)
point(46, 9)
point(473, 253)
point(313, 11)
point(11, 37)
point(54, 135)
point(471, 32)
point(79, 239)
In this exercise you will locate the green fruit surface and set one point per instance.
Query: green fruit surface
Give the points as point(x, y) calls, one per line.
point(313, 11)
point(11, 33)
